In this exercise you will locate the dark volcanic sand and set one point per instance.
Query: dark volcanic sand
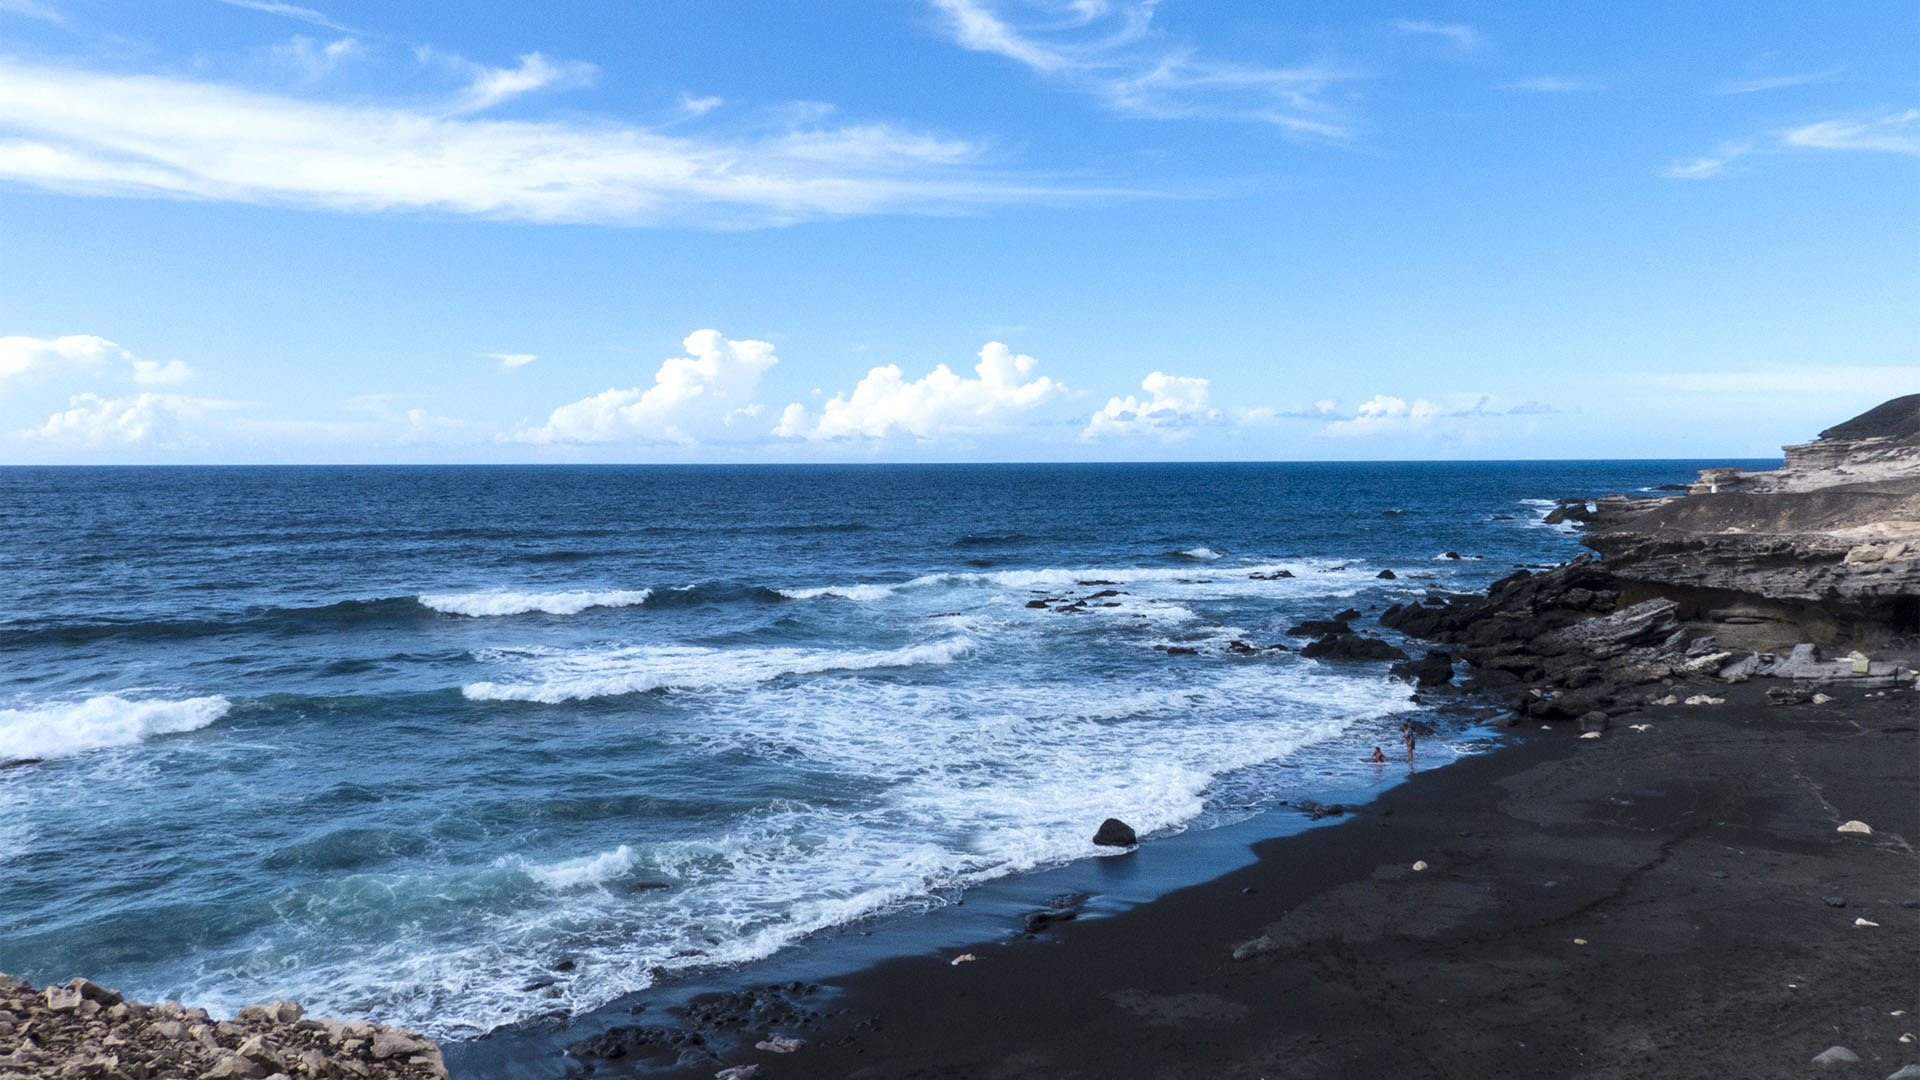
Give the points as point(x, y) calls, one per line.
point(1693, 858)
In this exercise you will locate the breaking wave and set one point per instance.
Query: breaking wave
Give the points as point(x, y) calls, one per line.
point(479, 604)
point(62, 730)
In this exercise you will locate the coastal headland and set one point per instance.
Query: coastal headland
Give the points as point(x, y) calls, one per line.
point(1694, 858)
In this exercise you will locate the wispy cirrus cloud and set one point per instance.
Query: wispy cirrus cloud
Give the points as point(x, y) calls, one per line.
point(32, 9)
point(290, 11)
point(1893, 133)
point(490, 86)
point(1109, 49)
point(1462, 35)
point(1775, 82)
point(83, 132)
point(511, 361)
point(1554, 84)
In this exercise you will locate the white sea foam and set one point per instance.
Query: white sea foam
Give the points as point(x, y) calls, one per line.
point(574, 873)
point(1204, 554)
point(555, 676)
point(574, 602)
point(861, 593)
point(68, 728)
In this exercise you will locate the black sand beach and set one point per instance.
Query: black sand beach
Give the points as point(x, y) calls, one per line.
point(1668, 902)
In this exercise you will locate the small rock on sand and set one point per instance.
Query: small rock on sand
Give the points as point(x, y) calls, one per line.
point(1706, 699)
point(963, 958)
point(1860, 827)
point(1905, 1072)
point(1420, 864)
point(738, 1072)
point(1835, 1055)
point(780, 1044)
point(1115, 833)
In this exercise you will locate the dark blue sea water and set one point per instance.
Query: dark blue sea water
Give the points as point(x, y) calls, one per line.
point(395, 741)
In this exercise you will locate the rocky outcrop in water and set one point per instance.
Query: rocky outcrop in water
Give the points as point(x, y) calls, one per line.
point(81, 1030)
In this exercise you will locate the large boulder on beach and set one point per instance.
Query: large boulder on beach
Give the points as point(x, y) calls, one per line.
point(1115, 833)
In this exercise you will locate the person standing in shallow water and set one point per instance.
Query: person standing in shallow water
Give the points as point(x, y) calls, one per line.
point(1407, 736)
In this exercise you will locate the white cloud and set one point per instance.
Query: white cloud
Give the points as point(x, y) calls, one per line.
point(1708, 166)
point(1385, 413)
point(942, 403)
point(32, 9)
point(1553, 84)
point(489, 86)
point(130, 135)
point(1893, 133)
point(155, 373)
point(1898, 133)
point(1466, 37)
point(21, 355)
point(1776, 82)
point(691, 396)
point(314, 59)
point(699, 106)
point(511, 360)
point(1174, 406)
point(291, 11)
point(1108, 49)
point(143, 420)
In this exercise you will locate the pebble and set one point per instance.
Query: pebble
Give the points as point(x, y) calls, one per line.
point(1821, 699)
point(1706, 699)
point(963, 958)
point(738, 1072)
point(780, 1044)
point(1906, 1072)
point(1860, 827)
point(1420, 864)
point(1590, 735)
point(1834, 901)
point(1865, 922)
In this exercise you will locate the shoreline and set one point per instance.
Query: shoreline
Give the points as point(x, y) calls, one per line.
point(1697, 875)
point(992, 914)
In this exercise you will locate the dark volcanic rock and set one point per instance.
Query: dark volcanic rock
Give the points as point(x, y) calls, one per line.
point(1436, 669)
point(1115, 833)
point(1386, 575)
point(1352, 647)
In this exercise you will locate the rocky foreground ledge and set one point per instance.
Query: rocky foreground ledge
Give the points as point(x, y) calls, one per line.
point(81, 1030)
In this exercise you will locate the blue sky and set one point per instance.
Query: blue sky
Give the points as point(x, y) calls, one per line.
point(950, 230)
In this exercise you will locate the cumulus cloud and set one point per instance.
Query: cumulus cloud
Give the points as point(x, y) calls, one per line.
point(1385, 414)
point(702, 393)
point(22, 355)
point(884, 403)
point(1382, 414)
point(511, 360)
point(82, 132)
point(1110, 50)
point(1174, 406)
point(142, 420)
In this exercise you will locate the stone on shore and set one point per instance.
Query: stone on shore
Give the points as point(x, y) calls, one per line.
point(70, 1030)
point(1115, 833)
point(1835, 1055)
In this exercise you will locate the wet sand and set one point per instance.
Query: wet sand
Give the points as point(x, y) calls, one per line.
point(1657, 903)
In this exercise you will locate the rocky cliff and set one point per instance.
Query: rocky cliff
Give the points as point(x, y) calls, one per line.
point(1810, 573)
point(1826, 549)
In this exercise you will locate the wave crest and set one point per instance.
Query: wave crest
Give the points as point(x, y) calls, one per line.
point(573, 676)
point(62, 730)
point(482, 604)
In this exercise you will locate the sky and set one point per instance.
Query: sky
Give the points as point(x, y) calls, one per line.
point(255, 231)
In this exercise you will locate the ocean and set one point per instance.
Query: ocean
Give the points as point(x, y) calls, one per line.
point(451, 747)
